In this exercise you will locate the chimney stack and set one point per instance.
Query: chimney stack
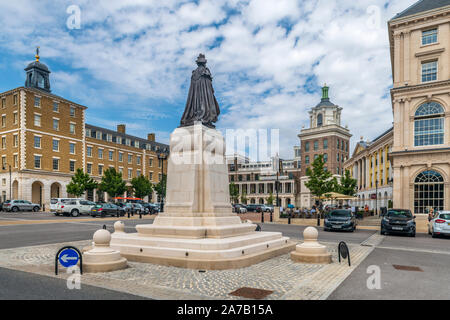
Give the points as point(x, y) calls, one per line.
point(151, 137)
point(121, 128)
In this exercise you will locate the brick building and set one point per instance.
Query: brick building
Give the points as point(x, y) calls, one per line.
point(44, 139)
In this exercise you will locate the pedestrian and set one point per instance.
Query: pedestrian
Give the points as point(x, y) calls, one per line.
point(313, 211)
point(430, 214)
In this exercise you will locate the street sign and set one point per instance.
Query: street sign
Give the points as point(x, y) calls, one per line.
point(68, 257)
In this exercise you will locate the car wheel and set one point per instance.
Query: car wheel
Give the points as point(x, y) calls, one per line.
point(434, 235)
point(75, 213)
point(15, 209)
point(382, 232)
point(413, 234)
point(36, 209)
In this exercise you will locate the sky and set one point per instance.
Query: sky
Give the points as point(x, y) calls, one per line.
point(130, 61)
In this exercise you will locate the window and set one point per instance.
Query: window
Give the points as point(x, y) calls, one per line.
point(37, 120)
point(111, 155)
point(72, 128)
point(89, 168)
point(428, 191)
point(55, 164)
point(37, 142)
point(72, 166)
point(429, 71)
point(306, 159)
point(325, 158)
point(98, 135)
point(429, 36)
point(72, 111)
point(316, 145)
point(151, 176)
point(338, 144)
point(138, 160)
point(119, 140)
point(130, 173)
point(100, 170)
point(88, 133)
point(37, 162)
point(37, 102)
point(151, 162)
point(56, 124)
point(55, 106)
point(16, 99)
point(3, 142)
point(109, 137)
point(130, 158)
point(337, 157)
point(138, 173)
point(72, 148)
point(55, 145)
point(316, 156)
point(100, 153)
point(3, 102)
point(15, 140)
point(325, 143)
point(319, 120)
point(120, 157)
point(429, 125)
point(15, 118)
point(89, 151)
point(307, 146)
point(16, 161)
point(3, 120)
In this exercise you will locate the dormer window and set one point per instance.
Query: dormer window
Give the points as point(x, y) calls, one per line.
point(319, 120)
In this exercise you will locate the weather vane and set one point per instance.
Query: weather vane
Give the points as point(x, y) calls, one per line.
point(37, 54)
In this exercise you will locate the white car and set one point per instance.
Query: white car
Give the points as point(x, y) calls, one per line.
point(74, 207)
point(440, 224)
point(54, 202)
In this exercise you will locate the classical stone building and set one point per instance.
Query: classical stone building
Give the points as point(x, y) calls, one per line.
point(44, 139)
point(420, 54)
point(257, 179)
point(325, 136)
point(371, 167)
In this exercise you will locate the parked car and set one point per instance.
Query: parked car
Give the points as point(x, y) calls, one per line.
point(54, 202)
point(135, 208)
point(151, 208)
point(20, 205)
point(239, 208)
point(398, 221)
point(340, 219)
point(74, 207)
point(106, 209)
point(440, 224)
point(266, 208)
point(254, 207)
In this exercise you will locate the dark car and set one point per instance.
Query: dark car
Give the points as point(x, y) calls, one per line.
point(399, 221)
point(340, 219)
point(254, 208)
point(239, 208)
point(107, 209)
point(150, 208)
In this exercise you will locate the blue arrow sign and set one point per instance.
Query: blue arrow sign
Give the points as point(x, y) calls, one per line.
point(68, 257)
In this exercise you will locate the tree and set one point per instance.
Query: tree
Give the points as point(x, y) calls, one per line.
point(320, 180)
point(80, 183)
point(112, 183)
point(270, 199)
point(347, 185)
point(234, 192)
point(160, 187)
point(244, 197)
point(141, 186)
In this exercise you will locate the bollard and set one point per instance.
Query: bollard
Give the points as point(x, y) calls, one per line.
point(43, 207)
point(128, 213)
point(318, 219)
point(117, 212)
point(262, 216)
point(140, 214)
point(289, 219)
point(271, 216)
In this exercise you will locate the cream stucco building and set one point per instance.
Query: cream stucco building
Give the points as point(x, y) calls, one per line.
point(420, 54)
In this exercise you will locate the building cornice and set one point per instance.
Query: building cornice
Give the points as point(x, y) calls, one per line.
point(419, 151)
point(434, 84)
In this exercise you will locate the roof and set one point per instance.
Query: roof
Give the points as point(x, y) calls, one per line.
point(422, 6)
point(382, 135)
point(37, 64)
point(142, 142)
point(325, 102)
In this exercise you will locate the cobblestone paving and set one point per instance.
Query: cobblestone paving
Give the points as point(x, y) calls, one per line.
point(288, 280)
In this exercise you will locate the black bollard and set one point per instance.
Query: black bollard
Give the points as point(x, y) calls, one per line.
point(318, 219)
point(140, 214)
point(128, 213)
point(271, 216)
point(262, 216)
point(289, 219)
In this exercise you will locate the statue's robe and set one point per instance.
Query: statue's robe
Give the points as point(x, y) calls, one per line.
point(201, 103)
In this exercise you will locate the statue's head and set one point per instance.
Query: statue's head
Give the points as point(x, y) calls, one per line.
point(201, 60)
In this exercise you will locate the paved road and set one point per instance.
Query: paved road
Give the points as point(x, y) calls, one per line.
point(18, 285)
point(432, 283)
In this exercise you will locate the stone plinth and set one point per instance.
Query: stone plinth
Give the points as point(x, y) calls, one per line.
point(198, 228)
point(101, 258)
point(311, 251)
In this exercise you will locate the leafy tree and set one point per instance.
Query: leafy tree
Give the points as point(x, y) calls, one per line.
point(347, 185)
point(320, 180)
point(160, 187)
point(80, 183)
point(234, 192)
point(112, 183)
point(141, 186)
point(244, 197)
point(270, 199)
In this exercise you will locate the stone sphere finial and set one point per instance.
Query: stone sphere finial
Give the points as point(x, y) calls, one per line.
point(102, 237)
point(310, 234)
point(119, 227)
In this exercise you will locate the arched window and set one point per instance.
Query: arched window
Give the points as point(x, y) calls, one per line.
point(428, 191)
point(429, 125)
point(319, 120)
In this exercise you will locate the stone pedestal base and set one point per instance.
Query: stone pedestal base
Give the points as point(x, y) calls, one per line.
point(311, 251)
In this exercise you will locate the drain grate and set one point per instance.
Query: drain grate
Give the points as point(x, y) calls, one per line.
point(407, 268)
point(251, 293)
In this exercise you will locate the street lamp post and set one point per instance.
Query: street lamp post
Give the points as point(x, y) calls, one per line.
point(376, 197)
point(10, 180)
point(162, 157)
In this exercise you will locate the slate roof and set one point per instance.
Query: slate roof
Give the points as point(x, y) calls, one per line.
point(422, 6)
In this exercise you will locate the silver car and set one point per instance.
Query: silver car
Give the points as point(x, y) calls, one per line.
point(20, 205)
point(440, 224)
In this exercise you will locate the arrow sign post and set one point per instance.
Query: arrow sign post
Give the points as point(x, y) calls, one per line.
point(68, 257)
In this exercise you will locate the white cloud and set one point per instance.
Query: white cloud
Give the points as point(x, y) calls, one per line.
point(135, 58)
